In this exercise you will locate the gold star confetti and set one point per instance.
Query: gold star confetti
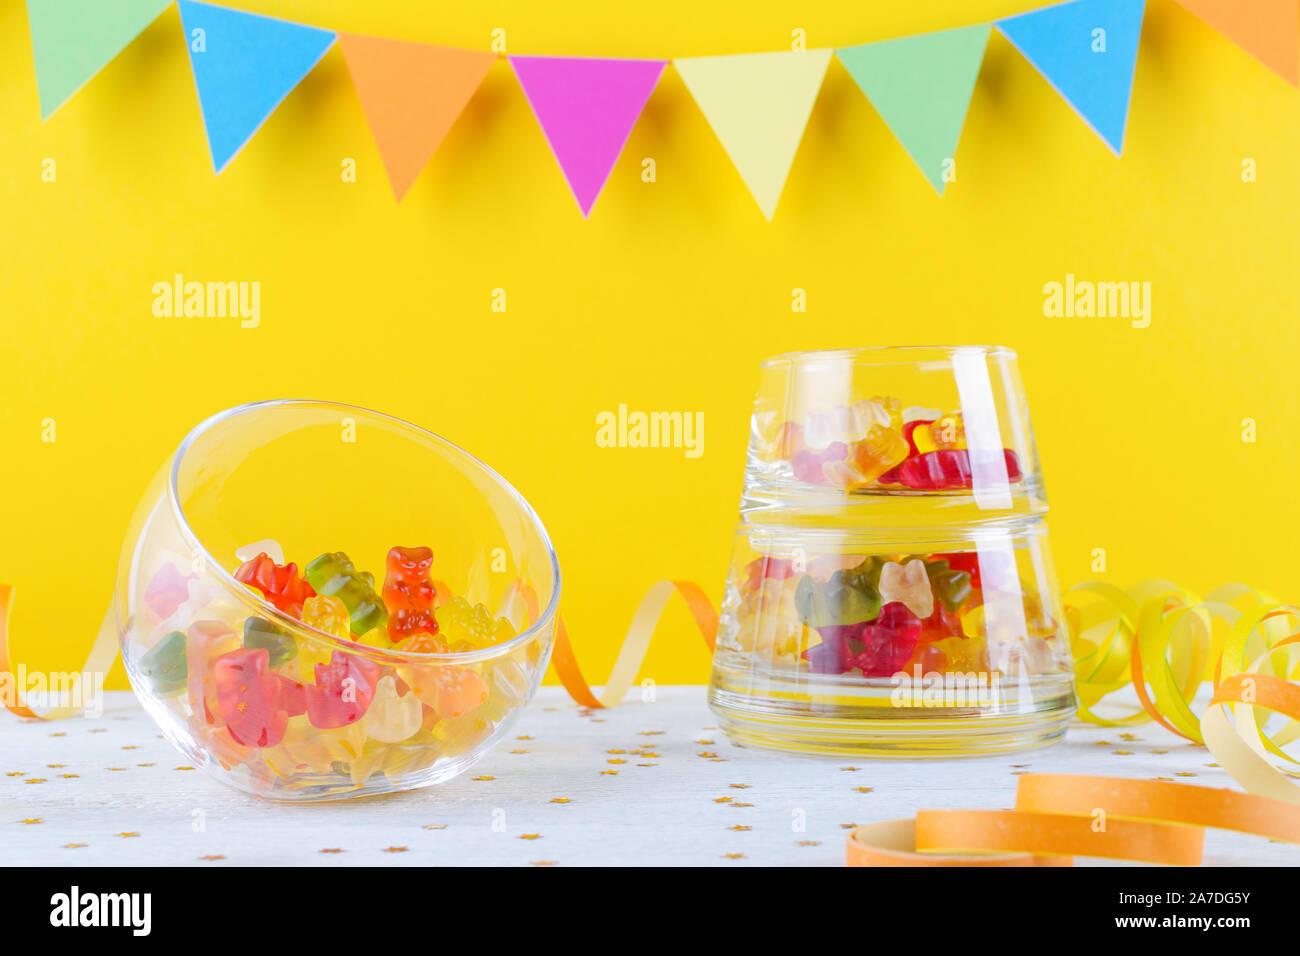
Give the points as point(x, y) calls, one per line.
point(332, 850)
point(705, 743)
point(69, 776)
point(609, 773)
point(519, 751)
point(73, 846)
point(864, 789)
point(1122, 753)
point(99, 730)
point(1184, 773)
point(647, 765)
point(741, 804)
point(32, 820)
point(809, 843)
point(739, 786)
point(733, 856)
point(59, 734)
point(706, 753)
point(652, 733)
point(739, 826)
point(615, 751)
point(34, 780)
point(848, 768)
point(182, 767)
point(560, 800)
point(130, 747)
point(543, 863)
point(524, 737)
point(650, 755)
point(212, 856)
point(847, 826)
point(394, 849)
point(486, 776)
point(1128, 737)
point(15, 773)
point(530, 836)
point(56, 766)
point(128, 833)
point(1160, 751)
point(722, 799)
point(616, 760)
point(146, 765)
point(122, 768)
point(435, 826)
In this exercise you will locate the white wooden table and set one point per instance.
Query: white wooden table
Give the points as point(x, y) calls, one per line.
point(645, 783)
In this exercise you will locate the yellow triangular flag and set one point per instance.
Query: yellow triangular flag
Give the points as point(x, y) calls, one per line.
point(758, 105)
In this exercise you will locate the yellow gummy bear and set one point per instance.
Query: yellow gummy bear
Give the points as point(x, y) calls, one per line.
point(879, 450)
point(327, 614)
point(391, 717)
point(465, 627)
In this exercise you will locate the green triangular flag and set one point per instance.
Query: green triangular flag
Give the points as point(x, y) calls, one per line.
point(72, 40)
point(921, 87)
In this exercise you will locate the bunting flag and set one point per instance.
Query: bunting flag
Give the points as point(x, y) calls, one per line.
point(244, 66)
point(1269, 30)
point(411, 93)
point(72, 40)
point(1087, 50)
point(758, 105)
point(586, 108)
point(921, 86)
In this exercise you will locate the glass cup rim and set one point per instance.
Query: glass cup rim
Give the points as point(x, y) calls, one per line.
point(888, 354)
point(269, 610)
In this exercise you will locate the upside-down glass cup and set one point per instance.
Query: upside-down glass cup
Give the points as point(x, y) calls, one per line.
point(274, 707)
point(891, 590)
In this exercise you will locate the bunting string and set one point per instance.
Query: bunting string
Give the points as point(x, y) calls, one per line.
point(758, 104)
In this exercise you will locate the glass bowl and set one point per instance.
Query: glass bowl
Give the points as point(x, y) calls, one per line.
point(299, 693)
point(891, 589)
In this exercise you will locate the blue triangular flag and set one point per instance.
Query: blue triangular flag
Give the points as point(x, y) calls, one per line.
point(1087, 50)
point(244, 66)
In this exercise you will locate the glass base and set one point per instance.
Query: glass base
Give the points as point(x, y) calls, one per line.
point(883, 718)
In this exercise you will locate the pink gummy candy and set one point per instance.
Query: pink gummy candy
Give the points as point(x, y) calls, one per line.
point(166, 590)
point(948, 468)
point(807, 464)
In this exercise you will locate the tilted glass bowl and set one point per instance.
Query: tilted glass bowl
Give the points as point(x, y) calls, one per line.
point(231, 678)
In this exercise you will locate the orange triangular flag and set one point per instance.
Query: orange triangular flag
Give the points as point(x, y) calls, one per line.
point(1269, 30)
point(411, 93)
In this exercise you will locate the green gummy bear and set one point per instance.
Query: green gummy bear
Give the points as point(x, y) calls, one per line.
point(849, 597)
point(334, 574)
point(165, 665)
point(951, 588)
point(279, 643)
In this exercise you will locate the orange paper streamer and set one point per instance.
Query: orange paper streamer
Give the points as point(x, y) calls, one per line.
point(1159, 800)
point(635, 644)
point(1023, 831)
point(893, 843)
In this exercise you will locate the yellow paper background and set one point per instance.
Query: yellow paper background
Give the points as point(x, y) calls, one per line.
point(665, 300)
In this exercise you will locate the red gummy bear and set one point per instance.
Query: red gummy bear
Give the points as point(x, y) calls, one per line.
point(249, 697)
point(840, 642)
point(343, 690)
point(408, 593)
point(948, 468)
point(909, 428)
point(807, 464)
point(762, 568)
point(888, 641)
point(279, 585)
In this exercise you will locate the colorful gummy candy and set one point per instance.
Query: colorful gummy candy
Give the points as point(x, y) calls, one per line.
point(881, 614)
point(262, 693)
point(872, 444)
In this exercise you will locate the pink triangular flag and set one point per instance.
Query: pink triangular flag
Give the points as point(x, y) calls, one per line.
point(586, 107)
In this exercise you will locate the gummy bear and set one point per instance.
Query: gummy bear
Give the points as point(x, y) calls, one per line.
point(408, 592)
point(279, 585)
point(343, 690)
point(248, 697)
point(948, 468)
point(808, 464)
point(952, 586)
point(165, 665)
point(875, 454)
point(392, 717)
point(846, 423)
point(848, 597)
point(327, 614)
point(335, 575)
point(889, 642)
point(166, 591)
point(760, 569)
point(839, 643)
point(278, 643)
point(908, 583)
point(457, 691)
point(205, 641)
point(465, 628)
